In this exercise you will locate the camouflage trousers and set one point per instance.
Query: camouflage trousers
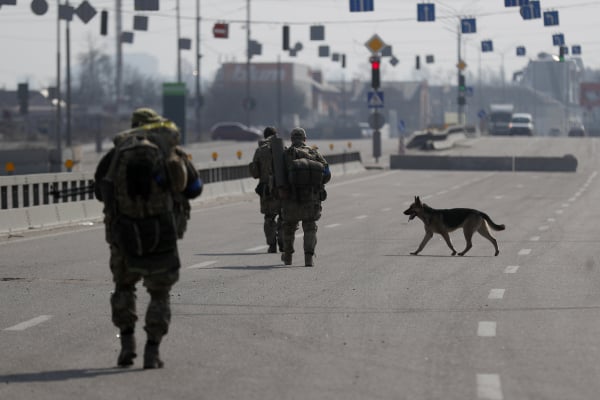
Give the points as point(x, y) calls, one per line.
point(123, 299)
point(271, 208)
point(292, 213)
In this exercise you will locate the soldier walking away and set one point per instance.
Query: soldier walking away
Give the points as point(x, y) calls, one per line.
point(145, 183)
point(307, 173)
point(261, 168)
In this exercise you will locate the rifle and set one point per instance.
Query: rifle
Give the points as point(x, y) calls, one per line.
point(73, 191)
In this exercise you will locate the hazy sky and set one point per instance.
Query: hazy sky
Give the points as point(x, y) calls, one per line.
point(28, 42)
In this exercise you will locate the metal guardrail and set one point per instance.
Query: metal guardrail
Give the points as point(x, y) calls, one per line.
point(21, 191)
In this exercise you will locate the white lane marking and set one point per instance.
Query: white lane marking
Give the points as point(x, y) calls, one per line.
point(489, 387)
point(264, 246)
point(564, 205)
point(202, 264)
point(543, 228)
point(534, 238)
point(524, 252)
point(486, 329)
point(559, 211)
point(520, 186)
point(511, 269)
point(28, 324)
point(332, 225)
point(386, 209)
point(496, 294)
point(499, 197)
point(361, 217)
point(551, 219)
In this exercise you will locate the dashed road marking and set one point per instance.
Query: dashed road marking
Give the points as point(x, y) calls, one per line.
point(486, 329)
point(28, 324)
point(564, 205)
point(264, 246)
point(524, 252)
point(534, 239)
point(543, 228)
point(386, 209)
point(361, 217)
point(496, 294)
point(559, 211)
point(511, 269)
point(332, 225)
point(489, 387)
point(202, 264)
point(551, 219)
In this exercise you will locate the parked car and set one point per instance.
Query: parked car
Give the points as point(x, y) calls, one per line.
point(577, 131)
point(234, 131)
point(521, 124)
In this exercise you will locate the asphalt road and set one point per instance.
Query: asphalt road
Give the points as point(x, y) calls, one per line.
point(369, 321)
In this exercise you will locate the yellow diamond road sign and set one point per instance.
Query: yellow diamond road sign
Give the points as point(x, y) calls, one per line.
point(461, 65)
point(375, 44)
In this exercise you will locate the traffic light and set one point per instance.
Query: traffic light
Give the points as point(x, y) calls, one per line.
point(104, 23)
point(462, 87)
point(418, 62)
point(561, 54)
point(375, 75)
point(343, 61)
point(23, 96)
point(286, 37)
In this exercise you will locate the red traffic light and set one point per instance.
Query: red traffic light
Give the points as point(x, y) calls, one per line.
point(375, 64)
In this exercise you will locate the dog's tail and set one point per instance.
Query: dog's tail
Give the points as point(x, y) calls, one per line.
point(492, 224)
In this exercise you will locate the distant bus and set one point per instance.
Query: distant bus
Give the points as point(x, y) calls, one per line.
point(499, 119)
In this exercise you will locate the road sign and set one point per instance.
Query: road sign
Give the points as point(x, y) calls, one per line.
point(401, 126)
point(375, 44)
point(376, 120)
point(468, 25)
point(511, 3)
point(576, 50)
point(558, 39)
point(481, 114)
point(425, 12)
point(469, 91)
point(461, 65)
point(550, 18)
point(361, 5)
point(531, 10)
point(85, 12)
point(221, 30)
point(375, 99)
point(521, 51)
point(487, 46)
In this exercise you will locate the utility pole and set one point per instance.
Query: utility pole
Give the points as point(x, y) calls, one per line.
point(68, 38)
point(58, 96)
point(178, 46)
point(198, 56)
point(119, 58)
point(247, 101)
point(279, 92)
point(460, 106)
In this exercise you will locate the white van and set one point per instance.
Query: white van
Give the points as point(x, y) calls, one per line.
point(521, 124)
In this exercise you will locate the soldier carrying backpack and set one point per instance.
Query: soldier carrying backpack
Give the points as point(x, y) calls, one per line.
point(302, 194)
point(145, 183)
point(261, 168)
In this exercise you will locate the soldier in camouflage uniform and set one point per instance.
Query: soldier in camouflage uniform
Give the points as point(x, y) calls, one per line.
point(161, 271)
point(261, 168)
point(302, 202)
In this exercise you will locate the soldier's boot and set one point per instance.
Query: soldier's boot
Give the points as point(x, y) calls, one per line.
point(273, 248)
point(286, 258)
point(308, 260)
point(127, 350)
point(151, 357)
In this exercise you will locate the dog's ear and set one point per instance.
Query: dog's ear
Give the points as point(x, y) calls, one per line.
point(417, 200)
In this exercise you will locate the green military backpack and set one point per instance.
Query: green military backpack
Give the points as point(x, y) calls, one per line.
point(144, 175)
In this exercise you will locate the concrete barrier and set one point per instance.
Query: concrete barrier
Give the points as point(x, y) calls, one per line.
point(567, 163)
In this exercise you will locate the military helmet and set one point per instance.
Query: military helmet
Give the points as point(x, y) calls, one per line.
point(143, 116)
point(269, 131)
point(298, 133)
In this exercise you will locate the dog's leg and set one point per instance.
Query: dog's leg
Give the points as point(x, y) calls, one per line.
point(428, 236)
point(485, 232)
point(468, 236)
point(448, 242)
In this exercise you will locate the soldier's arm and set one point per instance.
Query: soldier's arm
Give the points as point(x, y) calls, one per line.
point(101, 171)
point(194, 184)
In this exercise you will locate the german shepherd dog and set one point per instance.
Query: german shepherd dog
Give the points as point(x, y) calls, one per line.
point(445, 221)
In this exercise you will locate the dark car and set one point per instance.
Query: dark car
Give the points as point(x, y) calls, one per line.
point(234, 131)
point(577, 131)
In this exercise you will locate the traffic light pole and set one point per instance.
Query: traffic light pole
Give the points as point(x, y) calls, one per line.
point(460, 95)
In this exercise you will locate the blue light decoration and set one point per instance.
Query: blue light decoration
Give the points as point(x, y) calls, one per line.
point(468, 25)
point(550, 18)
point(487, 46)
point(361, 5)
point(521, 51)
point(425, 12)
